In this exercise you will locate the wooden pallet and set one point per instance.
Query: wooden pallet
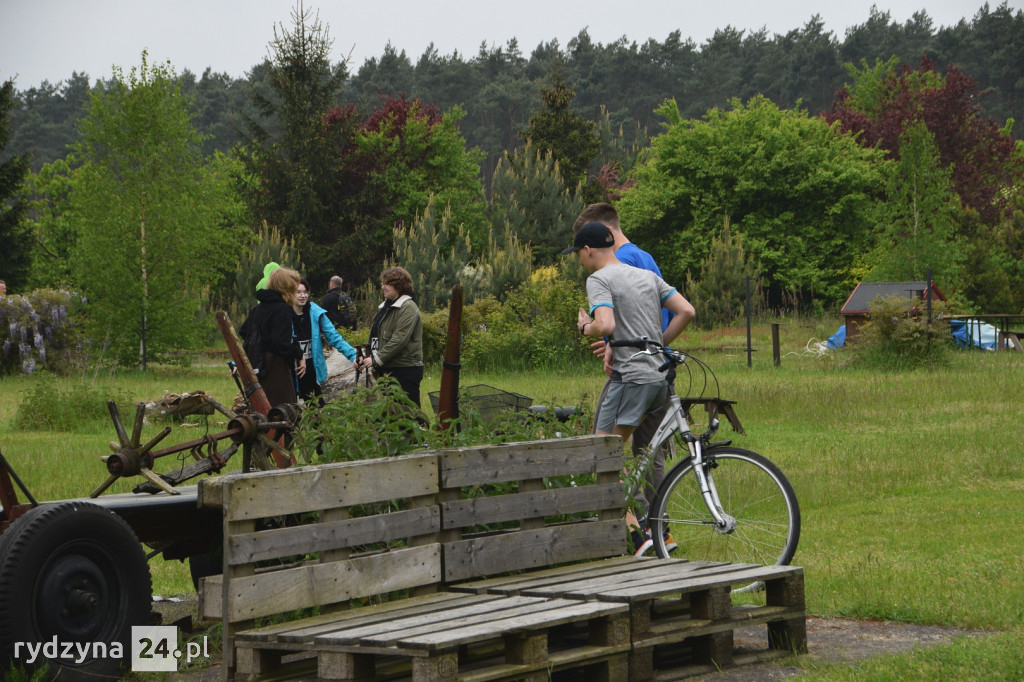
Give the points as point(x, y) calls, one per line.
point(682, 618)
point(448, 636)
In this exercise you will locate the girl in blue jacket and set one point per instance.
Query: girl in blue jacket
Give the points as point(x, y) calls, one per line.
point(310, 322)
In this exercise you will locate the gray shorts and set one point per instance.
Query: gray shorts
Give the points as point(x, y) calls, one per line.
point(625, 404)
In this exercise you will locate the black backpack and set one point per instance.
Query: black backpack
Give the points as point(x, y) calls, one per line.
point(346, 312)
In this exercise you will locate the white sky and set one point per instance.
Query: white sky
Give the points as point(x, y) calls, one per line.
point(49, 39)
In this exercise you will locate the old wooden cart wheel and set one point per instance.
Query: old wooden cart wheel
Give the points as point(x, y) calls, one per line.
point(73, 571)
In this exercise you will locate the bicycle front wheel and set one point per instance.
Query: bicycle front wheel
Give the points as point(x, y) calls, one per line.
point(751, 489)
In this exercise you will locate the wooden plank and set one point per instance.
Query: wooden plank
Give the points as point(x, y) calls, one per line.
point(320, 537)
point(516, 506)
point(480, 609)
point(514, 584)
point(319, 584)
point(529, 460)
point(704, 581)
point(519, 551)
point(544, 614)
point(306, 630)
point(589, 586)
point(293, 491)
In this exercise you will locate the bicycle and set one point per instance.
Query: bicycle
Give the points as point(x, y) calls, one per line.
point(737, 506)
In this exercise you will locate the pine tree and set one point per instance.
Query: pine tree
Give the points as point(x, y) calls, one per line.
point(719, 296)
point(529, 198)
point(14, 234)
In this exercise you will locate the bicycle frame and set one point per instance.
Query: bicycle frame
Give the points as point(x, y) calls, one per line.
point(675, 422)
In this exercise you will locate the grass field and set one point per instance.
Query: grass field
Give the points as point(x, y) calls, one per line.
point(911, 484)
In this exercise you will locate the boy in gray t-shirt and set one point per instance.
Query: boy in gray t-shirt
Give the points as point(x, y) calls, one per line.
point(626, 303)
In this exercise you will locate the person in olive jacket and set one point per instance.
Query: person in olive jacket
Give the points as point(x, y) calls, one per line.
point(396, 335)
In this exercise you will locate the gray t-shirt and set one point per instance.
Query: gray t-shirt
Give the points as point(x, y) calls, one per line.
point(635, 297)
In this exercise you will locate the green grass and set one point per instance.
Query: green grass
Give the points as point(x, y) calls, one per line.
point(910, 483)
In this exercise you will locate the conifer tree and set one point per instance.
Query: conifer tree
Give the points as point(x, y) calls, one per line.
point(719, 296)
point(529, 198)
point(14, 235)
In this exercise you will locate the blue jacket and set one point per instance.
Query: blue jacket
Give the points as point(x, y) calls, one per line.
point(322, 324)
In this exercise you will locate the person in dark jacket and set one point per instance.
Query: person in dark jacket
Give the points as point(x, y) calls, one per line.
point(282, 357)
point(396, 335)
point(338, 305)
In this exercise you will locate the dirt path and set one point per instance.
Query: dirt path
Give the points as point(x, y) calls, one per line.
point(839, 640)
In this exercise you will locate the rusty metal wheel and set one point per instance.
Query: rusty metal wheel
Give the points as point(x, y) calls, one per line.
point(73, 572)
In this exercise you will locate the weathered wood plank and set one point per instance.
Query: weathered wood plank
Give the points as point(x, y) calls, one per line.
point(523, 550)
point(544, 614)
point(477, 610)
point(319, 584)
point(516, 506)
point(320, 537)
point(704, 580)
point(293, 491)
point(530, 460)
point(586, 587)
point(514, 584)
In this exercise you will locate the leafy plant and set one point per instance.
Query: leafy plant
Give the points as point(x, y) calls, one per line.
point(901, 335)
point(534, 327)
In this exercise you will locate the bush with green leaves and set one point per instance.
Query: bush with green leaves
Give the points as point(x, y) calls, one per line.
point(534, 327)
point(40, 330)
point(381, 422)
point(902, 334)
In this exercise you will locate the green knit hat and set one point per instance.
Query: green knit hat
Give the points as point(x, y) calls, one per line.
point(267, 269)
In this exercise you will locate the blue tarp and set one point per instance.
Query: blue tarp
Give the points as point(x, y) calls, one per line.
point(980, 334)
point(974, 333)
point(837, 340)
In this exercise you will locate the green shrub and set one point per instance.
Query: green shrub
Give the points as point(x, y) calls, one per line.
point(40, 330)
point(534, 327)
point(53, 404)
point(380, 422)
point(901, 335)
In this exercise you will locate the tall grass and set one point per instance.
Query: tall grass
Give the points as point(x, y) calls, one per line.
point(910, 483)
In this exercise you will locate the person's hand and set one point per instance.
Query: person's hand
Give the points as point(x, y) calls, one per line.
point(608, 355)
point(301, 370)
point(582, 318)
point(598, 347)
point(367, 363)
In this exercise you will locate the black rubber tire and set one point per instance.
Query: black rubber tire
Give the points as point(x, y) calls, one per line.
point(75, 571)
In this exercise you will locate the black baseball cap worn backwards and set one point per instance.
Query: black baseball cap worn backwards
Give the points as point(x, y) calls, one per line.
point(595, 235)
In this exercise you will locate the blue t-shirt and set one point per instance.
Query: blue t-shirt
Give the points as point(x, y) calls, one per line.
point(631, 254)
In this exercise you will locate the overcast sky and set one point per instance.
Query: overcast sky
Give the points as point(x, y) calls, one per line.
point(50, 39)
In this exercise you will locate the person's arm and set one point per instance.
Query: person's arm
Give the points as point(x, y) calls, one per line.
point(405, 325)
point(602, 324)
point(336, 340)
point(684, 314)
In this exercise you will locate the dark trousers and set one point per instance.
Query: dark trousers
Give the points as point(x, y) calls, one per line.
point(409, 379)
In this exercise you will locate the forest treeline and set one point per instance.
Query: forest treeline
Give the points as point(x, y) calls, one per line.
point(499, 87)
point(797, 165)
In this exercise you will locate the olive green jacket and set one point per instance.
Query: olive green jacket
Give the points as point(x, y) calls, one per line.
point(401, 335)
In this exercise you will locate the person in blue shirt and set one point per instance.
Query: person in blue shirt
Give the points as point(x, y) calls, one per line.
point(629, 253)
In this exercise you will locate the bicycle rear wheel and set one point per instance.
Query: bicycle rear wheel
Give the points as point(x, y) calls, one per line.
point(751, 489)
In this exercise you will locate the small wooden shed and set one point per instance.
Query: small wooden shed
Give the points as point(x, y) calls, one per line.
point(857, 309)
